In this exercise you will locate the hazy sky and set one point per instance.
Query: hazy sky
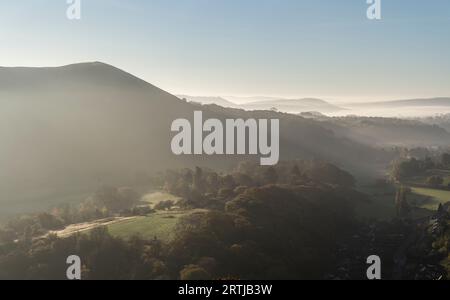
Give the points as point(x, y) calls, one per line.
point(291, 48)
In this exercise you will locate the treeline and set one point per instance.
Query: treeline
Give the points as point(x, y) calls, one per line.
point(203, 188)
point(410, 167)
point(103, 257)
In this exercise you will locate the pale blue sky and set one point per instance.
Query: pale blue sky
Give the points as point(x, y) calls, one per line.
point(290, 48)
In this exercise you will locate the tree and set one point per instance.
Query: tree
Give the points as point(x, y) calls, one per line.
point(164, 205)
point(6, 236)
point(49, 222)
point(435, 181)
point(296, 171)
point(270, 175)
point(115, 199)
point(329, 173)
point(212, 181)
point(242, 179)
point(198, 183)
point(445, 159)
point(228, 182)
point(194, 272)
point(401, 202)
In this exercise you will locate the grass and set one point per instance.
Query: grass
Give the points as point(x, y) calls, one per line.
point(446, 181)
point(427, 197)
point(159, 225)
point(434, 196)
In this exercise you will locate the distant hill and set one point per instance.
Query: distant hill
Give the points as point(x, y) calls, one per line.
point(76, 127)
point(282, 105)
point(209, 100)
point(294, 105)
point(408, 103)
point(405, 109)
point(441, 120)
point(386, 131)
point(249, 99)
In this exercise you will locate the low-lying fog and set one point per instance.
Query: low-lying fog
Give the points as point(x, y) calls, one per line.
point(390, 112)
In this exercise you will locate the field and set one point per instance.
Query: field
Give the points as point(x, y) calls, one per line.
point(428, 197)
point(160, 226)
point(433, 196)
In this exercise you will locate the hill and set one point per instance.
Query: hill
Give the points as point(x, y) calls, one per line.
point(409, 102)
point(67, 130)
point(386, 131)
point(209, 100)
point(441, 120)
point(294, 105)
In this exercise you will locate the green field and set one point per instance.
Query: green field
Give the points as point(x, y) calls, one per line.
point(427, 197)
point(434, 196)
point(159, 225)
point(147, 227)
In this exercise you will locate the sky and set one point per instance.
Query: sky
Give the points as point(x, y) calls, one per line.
point(286, 48)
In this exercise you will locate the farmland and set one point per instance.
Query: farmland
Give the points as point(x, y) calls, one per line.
point(160, 226)
point(433, 197)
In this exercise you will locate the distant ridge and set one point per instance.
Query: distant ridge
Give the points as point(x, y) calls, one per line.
point(439, 101)
point(209, 100)
point(294, 105)
point(89, 72)
point(282, 105)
